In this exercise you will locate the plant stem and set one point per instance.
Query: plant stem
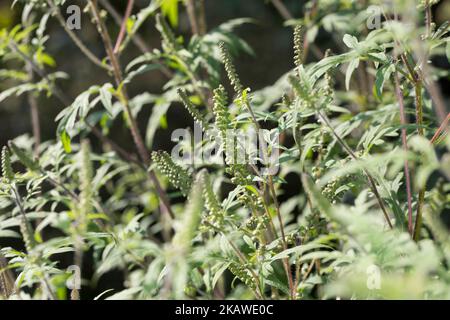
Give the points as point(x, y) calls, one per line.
point(139, 142)
point(241, 257)
point(28, 236)
point(275, 200)
point(7, 283)
point(32, 101)
point(35, 124)
point(283, 239)
point(137, 39)
point(281, 8)
point(286, 15)
point(428, 17)
point(34, 111)
point(244, 261)
point(429, 84)
point(27, 233)
point(415, 78)
point(46, 284)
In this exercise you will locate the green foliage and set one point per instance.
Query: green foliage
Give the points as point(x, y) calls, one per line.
point(178, 176)
point(229, 67)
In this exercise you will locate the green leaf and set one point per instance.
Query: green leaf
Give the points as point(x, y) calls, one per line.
point(156, 120)
point(9, 234)
point(219, 273)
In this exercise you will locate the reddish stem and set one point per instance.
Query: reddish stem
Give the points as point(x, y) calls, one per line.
point(443, 127)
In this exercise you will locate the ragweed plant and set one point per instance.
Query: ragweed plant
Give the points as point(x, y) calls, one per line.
point(331, 182)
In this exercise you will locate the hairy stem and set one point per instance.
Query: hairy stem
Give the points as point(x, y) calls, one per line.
point(443, 128)
point(66, 101)
point(7, 283)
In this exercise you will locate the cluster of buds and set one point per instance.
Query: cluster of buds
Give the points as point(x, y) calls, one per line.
point(216, 215)
point(192, 109)
point(230, 68)
point(315, 226)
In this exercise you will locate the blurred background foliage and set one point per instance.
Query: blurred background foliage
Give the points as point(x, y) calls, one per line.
point(268, 36)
